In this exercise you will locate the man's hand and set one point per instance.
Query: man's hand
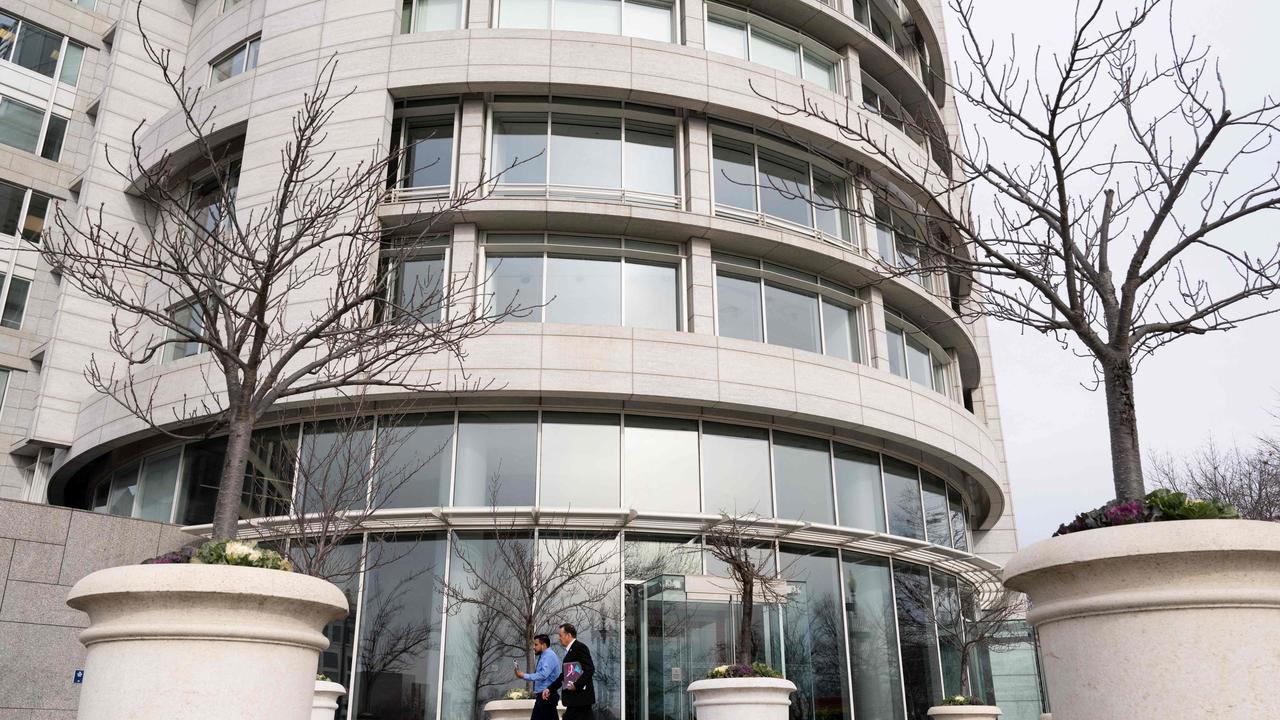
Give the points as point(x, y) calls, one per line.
point(546, 694)
point(519, 674)
point(568, 685)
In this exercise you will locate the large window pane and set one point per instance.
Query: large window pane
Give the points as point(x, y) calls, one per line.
point(51, 149)
point(124, 487)
point(586, 151)
point(520, 148)
point(497, 459)
point(802, 472)
point(401, 617)
point(653, 299)
point(10, 207)
point(828, 205)
point(524, 13)
point(873, 638)
point(648, 20)
point(840, 332)
point(775, 52)
point(946, 598)
point(602, 16)
point(814, 634)
point(819, 70)
point(738, 311)
point(580, 460)
point(159, 482)
point(858, 489)
point(917, 640)
point(897, 351)
point(735, 174)
point(937, 523)
point(959, 536)
point(784, 189)
point(415, 458)
point(791, 318)
point(735, 470)
point(420, 287)
point(581, 290)
point(646, 556)
point(20, 125)
point(429, 147)
point(335, 470)
point(902, 492)
point(438, 15)
point(70, 73)
point(651, 158)
point(8, 31)
point(727, 36)
point(515, 281)
point(919, 363)
point(15, 305)
point(660, 464)
point(33, 223)
point(37, 49)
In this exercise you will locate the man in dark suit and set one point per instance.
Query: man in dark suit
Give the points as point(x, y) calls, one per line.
point(579, 694)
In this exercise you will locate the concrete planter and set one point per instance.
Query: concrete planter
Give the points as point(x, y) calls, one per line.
point(1158, 620)
point(965, 712)
point(512, 709)
point(202, 642)
point(742, 698)
point(324, 702)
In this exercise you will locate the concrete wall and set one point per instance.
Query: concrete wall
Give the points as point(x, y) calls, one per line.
point(43, 552)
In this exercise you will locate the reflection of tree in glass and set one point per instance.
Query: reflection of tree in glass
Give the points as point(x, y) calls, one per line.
point(394, 640)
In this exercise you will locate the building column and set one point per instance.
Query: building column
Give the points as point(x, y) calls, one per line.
point(877, 354)
point(700, 311)
point(697, 166)
point(464, 277)
point(695, 32)
point(470, 144)
point(478, 14)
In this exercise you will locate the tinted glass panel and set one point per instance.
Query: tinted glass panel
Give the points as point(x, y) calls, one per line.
point(735, 174)
point(648, 20)
point(959, 538)
point(37, 49)
point(661, 464)
point(651, 158)
point(645, 556)
point(917, 640)
point(335, 468)
point(581, 290)
point(873, 638)
point(20, 125)
point(802, 471)
point(814, 634)
point(858, 490)
point(902, 492)
point(602, 16)
point(784, 188)
point(497, 459)
point(10, 207)
point(416, 456)
point(840, 332)
point(936, 512)
point(71, 62)
point(897, 353)
point(738, 307)
point(524, 13)
point(159, 480)
point(420, 287)
point(438, 15)
point(919, 363)
point(726, 36)
point(735, 470)
point(580, 460)
point(124, 487)
point(828, 204)
point(520, 148)
point(586, 151)
point(791, 318)
point(819, 70)
point(775, 52)
point(653, 299)
point(15, 305)
point(8, 31)
point(946, 598)
point(515, 283)
point(33, 223)
point(53, 136)
point(429, 147)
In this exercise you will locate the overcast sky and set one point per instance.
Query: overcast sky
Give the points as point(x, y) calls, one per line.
point(1222, 385)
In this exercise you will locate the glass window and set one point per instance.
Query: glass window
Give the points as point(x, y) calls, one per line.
point(646, 556)
point(53, 136)
point(602, 16)
point(515, 281)
point(20, 125)
point(897, 351)
point(840, 332)
point(735, 174)
point(11, 197)
point(902, 492)
point(648, 20)
point(784, 188)
point(71, 62)
point(814, 633)
point(959, 536)
point(917, 640)
point(33, 223)
point(581, 290)
point(520, 147)
point(37, 49)
point(429, 151)
point(936, 512)
point(858, 491)
point(727, 37)
point(791, 318)
point(497, 459)
point(738, 312)
point(919, 363)
point(159, 482)
point(190, 317)
point(735, 470)
point(401, 616)
point(334, 468)
point(819, 70)
point(524, 13)
point(653, 295)
point(775, 52)
point(586, 151)
point(238, 61)
point(660, 464)
point(415, 458)
point(580, 460)
point(429, 15)
point(873, 638)
point(15, 304)
point(650, 157)
point(420, 285)
point(802, 472)
point(124, 487)
point(946, 597)
point(828, 205)
point(8, 33)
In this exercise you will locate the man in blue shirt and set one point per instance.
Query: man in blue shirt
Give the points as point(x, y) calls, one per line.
point(548, 669)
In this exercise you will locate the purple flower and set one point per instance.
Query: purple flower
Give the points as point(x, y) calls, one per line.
point(1124, 513)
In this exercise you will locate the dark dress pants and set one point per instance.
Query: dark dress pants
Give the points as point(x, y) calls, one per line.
point(544, 709)
point(580, 712)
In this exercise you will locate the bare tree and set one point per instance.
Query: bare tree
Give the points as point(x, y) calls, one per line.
point(733, 541)
point(203, 274)
point(1247, 478)
point(1106, 209)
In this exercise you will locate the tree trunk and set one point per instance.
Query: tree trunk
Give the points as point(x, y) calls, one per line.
point(226, 511)
point(1122, 419)
point(744, 627)
point(965, 688)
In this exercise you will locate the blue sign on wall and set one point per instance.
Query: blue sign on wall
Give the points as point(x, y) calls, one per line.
point(78, 677)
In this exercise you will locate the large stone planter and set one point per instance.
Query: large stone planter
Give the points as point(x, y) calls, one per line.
point(1159, 620)
point(512, 709)
point(742, 698)
point(202, 642)
point(324, 701)
point(965, 712)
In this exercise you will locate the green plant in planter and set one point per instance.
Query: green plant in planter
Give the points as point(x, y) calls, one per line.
point(962, 700)
point(1158, 505)
point(757, 669)
point(244, 553)
point(518, 694)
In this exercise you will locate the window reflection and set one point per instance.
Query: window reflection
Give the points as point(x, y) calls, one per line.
point(735, 470)
point(813, 632)
point(918, 640)
point(497, 455)
point(581, 460)
point(802, 471)
point(873, 637)
point(661, 464)
point(902, 492)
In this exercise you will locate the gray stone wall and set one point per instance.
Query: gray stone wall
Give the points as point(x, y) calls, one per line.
point(43, 552)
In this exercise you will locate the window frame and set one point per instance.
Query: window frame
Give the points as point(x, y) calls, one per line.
point(406, 113)
point(7, 278)
point(823, 291)
point(42, 136)
point(805, 45)
point(170, 353)
point(905, 237)
point(56, 76)
point(941, 359)
point(410, 20)
point(439, 247)
point(250, 46)
point(677, 35)
point(627, 248)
